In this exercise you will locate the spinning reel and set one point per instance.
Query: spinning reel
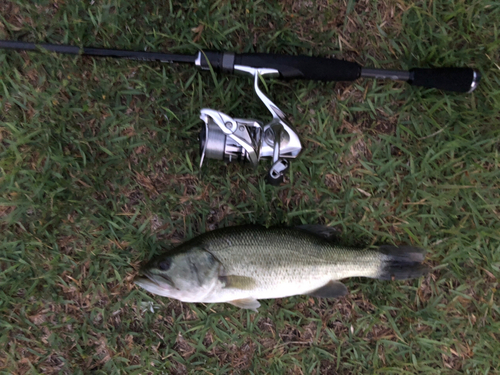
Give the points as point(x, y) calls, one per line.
point(247, 140)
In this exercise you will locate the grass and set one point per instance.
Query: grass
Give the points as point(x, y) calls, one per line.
point(98, 171)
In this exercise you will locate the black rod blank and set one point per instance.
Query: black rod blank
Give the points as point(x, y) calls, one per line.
point(101, 52)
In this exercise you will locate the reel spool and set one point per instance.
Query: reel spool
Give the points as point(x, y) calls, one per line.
point(247, 140)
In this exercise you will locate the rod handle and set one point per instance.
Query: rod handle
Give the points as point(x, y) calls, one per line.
point(449, 79)
point(303, 67)
point(289, 67)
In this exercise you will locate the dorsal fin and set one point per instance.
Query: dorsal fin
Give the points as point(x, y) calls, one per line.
point(328, 233)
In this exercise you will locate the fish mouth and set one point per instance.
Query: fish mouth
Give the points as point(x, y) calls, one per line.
point(150, 278)
point(152, 284)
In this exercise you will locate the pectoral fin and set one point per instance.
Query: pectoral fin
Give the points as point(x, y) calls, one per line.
point(246, 303)
point(237, 282)
point(332, 289)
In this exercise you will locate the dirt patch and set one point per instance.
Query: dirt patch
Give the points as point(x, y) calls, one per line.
point(359, 145)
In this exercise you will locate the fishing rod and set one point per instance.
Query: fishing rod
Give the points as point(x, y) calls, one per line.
point(233, 139)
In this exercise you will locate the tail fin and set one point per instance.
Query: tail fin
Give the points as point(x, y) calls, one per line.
point(402, 262)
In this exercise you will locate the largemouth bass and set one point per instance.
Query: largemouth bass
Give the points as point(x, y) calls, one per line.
point(240, 265)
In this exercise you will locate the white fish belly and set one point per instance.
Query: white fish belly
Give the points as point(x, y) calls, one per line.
point(288, 282)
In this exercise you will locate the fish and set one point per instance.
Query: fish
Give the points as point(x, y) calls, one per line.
point(243, 264)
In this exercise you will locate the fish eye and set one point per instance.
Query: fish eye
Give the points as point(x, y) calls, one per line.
point(164, 265)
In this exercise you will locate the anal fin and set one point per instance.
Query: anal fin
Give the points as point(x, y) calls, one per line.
point(246, 303)
point(332, 289)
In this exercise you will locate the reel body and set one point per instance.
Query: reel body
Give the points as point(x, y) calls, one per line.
point(247, 140)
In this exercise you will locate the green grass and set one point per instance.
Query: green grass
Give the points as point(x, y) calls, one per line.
point(98, 172)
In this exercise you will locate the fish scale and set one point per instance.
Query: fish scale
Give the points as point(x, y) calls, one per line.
point(285, 260)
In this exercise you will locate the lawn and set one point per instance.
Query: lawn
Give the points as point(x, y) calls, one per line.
point(99, 172)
